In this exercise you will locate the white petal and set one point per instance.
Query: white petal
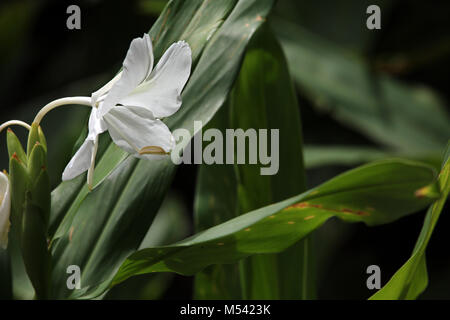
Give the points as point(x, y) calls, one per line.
point(137, 66)
point(5, 210)
point(160, 93)
point(135, 130)
point(80, 162)
point(96, 124)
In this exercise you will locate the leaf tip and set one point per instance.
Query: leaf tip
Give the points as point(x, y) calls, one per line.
point(427, 191)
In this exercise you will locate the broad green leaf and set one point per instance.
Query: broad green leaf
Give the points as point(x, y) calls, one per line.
point(317, 156)
point(216, 202)
point(99, 229)
point(264, 98)
point(171, 224)
point(342, 21)
point(412, 278)
point(402, 117)
point(376, 193)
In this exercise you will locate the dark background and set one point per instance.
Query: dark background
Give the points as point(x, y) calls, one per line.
point(41, 60)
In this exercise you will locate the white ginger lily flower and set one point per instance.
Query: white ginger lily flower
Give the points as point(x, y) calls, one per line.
point(131, 105)
point(5, 209)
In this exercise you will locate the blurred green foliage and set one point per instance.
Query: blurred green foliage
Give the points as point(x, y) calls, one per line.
point(41, 60)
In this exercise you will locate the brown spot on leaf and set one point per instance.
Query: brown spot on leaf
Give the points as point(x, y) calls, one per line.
point(71, 234)
point(15, 157)
point(300, 205)
point(303, 205)
point(359, 213)
point(421, 192)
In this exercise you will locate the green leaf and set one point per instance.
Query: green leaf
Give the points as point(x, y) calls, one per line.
point(30, 205)
point(19, 180)
point(35, 136)
point(412, 278)
point(171, 224)
point(216, 202)
point(95, 229)
point(410, 119)
point(39, 181)
point(377, 193)
point(22, 287)
point(37, 161)
point(15, 147)
point(264, 98)
point(20, 186)
point(35, 252)
point(317, 156)
point(342, 26)
point(40, 194)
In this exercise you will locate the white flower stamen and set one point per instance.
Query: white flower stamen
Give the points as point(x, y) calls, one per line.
point(84, 101)
point(14, 123)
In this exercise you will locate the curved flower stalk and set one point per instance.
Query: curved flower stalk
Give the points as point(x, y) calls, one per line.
point(130, 107)
point(5, 209)
point(15, 122)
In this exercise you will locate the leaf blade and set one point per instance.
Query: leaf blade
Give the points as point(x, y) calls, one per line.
point(233, 240)
point(412, 278)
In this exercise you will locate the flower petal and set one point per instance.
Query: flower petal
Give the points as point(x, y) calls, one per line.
point(137, 66)
point(96, 124)
point(135, 130)
point(160, 93)
point(5, 210)
point(80, 162)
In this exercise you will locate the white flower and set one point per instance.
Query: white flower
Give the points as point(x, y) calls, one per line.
point(131, 105)
point(5, 209)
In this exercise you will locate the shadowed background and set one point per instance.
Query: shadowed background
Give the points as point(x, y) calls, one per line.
point(41, 60)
